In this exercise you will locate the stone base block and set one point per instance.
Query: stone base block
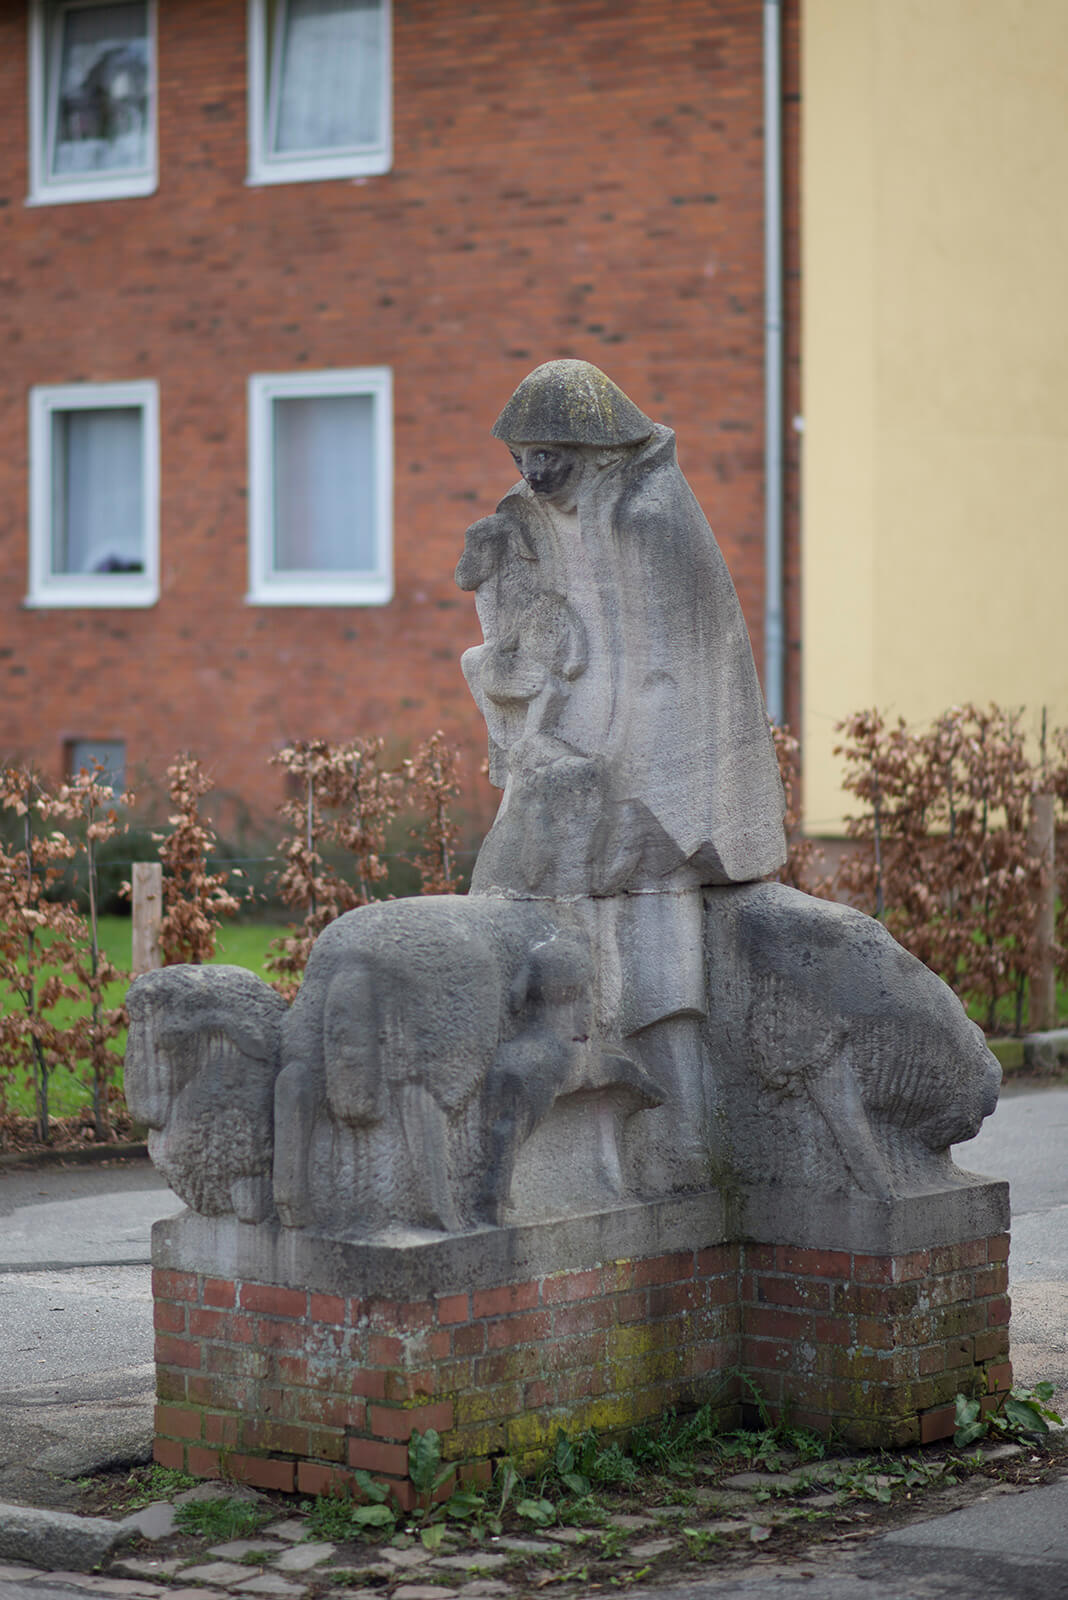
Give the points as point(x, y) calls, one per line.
point(289, 1360)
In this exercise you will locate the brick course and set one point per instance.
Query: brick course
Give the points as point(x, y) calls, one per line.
point(568, 180)
point(601, 1348)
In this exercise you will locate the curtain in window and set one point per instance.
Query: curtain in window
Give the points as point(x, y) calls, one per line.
point(98, 506)
point(324, 484)
point(327, 88)
point(99, 110)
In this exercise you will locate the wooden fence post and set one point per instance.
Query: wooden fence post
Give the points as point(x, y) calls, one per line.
point(1042, 1010)
point(147, 916)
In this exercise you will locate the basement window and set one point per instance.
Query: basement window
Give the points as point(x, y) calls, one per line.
point(92, 100)
point(319, 89)
point(109, 754)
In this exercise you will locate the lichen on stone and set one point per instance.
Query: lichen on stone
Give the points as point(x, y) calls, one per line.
point(571, 402)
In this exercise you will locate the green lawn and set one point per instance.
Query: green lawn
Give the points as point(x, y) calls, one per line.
point(241, 944)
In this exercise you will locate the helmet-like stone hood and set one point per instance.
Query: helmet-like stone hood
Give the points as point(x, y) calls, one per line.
point(571, 402)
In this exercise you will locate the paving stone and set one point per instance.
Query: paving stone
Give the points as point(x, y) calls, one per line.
point(269, 1583)
point(146, 1566)
point(236, 1548)
point(1001, 1452)
point(302, 1557)
point(485, 1560)
point(222, 1572)
point(291, 1528)
point(354, 1594)
point(718, 1495)
point(631, 1524)
point(358, 1569)
point(791, 1513)
point(532, 1547)
point(484, 1589)
point(670, 1513)
point(828, 1469)
point(724, 1527)
point(153, 1522)
point(422, 1591)
point(416, 1556)
point(574, 1535)
point(649, 1549)
point(765, 1480)
point(12, 1573)
point(196, 1594)
point(94, 1583)
point(214, 1490)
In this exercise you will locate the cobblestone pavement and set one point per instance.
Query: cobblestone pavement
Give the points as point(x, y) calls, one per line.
point(821, 1525)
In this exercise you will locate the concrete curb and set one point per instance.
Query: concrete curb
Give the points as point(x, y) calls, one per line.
point(58, 1541)
point(74, 1155)
point(1031, 1052)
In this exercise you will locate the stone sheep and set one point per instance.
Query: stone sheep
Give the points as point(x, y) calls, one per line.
point(202, 1056)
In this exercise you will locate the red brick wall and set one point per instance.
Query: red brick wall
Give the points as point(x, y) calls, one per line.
point(295, 1390)
point(876, 1346)
point(570, 178)
point(291, 1389)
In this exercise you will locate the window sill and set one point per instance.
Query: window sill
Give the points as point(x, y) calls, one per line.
point(65, 194)
point(317, 169)
point(377, 593)
point(85, 598)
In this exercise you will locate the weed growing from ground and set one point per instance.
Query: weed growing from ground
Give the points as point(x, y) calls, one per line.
point(220, 1519)
point(1022, 1413)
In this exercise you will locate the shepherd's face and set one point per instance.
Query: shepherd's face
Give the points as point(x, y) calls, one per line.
point(551, 470)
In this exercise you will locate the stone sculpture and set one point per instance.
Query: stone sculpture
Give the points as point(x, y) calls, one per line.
point(647, 771)
point(619, 1010)
point(657, 691)
point(846, 1065)
point(658, 1124)
point(202, 1056)
point(429, 1038)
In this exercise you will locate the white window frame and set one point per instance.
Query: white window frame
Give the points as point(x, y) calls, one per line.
point(263, 167)
point(44, 189)
point(99, 589)
point(268, 587)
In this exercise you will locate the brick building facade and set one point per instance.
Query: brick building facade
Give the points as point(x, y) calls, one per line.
point(574, 178)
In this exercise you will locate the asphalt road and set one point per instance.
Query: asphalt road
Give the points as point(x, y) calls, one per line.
point(76, 1371)
point(1026, 1141)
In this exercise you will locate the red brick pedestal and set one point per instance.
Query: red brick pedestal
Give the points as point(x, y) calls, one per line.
point(876, 1346)
point(293, 1385)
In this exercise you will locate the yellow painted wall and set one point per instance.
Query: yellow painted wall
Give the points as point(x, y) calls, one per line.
point(935, 364)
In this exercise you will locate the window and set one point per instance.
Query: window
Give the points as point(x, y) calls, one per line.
point(110, 753)
point(319, 89)
point(321, 488)
point(92, 100)
point(94, 495)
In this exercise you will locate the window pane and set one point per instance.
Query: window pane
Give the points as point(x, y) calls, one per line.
point(324, 484)
point(97, 503)
point(111, 754)
point(99, 65)
point(327, 88)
